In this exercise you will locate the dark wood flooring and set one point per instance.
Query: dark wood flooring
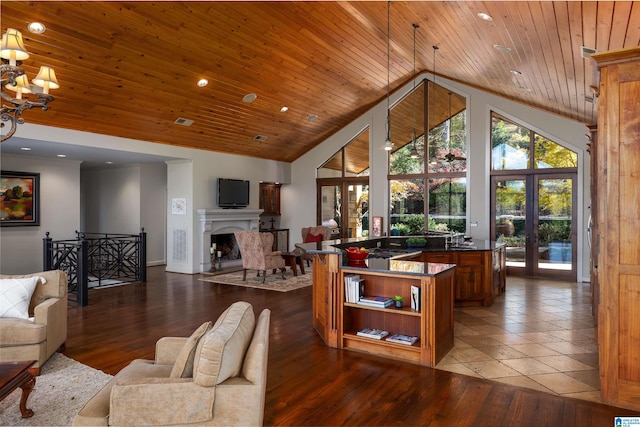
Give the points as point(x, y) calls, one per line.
point(309, 383)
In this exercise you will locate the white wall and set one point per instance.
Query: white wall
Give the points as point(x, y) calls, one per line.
point(298, 199)
point(153, 212)
point(125, 199)
point(21, 247)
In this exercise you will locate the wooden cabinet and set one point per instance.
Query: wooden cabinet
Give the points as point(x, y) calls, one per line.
point(618, 226)
point(270, 198)
point(593, 223)
point(338, 321)
point(480, 275)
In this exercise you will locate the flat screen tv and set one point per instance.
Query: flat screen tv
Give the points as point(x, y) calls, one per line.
point(233, 193)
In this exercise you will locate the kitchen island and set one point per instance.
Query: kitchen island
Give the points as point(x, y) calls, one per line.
point(393, 269)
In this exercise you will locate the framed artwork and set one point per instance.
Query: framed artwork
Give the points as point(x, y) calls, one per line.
point(19, 199)
point(376, 226)
point(179, 206)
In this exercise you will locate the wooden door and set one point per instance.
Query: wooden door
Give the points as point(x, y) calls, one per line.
point(618, 153)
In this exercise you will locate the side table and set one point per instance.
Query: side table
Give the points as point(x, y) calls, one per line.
point(14, 375)
point(294, 260)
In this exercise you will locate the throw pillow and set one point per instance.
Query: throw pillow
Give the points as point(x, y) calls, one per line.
point(313, 238)
point(221, 351)
point(15, 295)
point(183, 367)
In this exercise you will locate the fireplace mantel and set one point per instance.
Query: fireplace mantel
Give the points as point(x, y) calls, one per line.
point(223, 221)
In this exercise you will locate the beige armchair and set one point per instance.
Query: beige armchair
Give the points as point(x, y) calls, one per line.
point(256, 251)
point(215, 377)
point(45, 331)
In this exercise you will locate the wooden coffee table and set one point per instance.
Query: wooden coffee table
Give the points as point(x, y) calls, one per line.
point(14, 375)
point(293, 260)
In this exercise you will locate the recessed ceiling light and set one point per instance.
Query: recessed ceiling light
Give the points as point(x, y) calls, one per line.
point(485, 16)
point(109, 163)
point(202, 82)
point(249, 98)
point(25, 149)
point(284, 109)
point(515, 72)
point(312, 118)
point(62, 155)
point(36, 27)
point(502, 48)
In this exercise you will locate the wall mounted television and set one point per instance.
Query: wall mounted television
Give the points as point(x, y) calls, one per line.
point(233, 193)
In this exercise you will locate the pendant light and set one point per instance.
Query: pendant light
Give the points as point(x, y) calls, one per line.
point(414, 150)
point(434, 160)
point(450, 157)
point(388, 144)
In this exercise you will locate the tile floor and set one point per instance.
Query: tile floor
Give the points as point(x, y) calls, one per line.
point(538, 335)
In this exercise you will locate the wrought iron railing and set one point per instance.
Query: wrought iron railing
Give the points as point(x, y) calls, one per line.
point(95, 260)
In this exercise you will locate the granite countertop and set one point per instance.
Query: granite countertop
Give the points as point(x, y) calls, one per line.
point(394, 247)
point(412, 268)
point(395, 244)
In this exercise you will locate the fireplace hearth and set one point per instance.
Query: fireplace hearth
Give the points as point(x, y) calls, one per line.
point(216, 224)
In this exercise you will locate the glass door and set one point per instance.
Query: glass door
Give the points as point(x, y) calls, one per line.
point(330, 208)
point(534, 216)
point(553, 229)
point(344, 207)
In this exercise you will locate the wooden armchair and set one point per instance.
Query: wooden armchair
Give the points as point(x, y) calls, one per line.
point(257, 254)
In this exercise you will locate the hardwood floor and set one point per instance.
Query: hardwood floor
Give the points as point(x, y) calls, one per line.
point(309, 383)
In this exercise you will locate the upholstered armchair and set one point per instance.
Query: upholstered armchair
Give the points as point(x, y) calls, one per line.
point(33, 316)
point(310, 235)
point(256, 251)
point(215, 377)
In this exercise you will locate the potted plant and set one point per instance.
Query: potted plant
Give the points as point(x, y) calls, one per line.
point(416, 242)
point(398, 299)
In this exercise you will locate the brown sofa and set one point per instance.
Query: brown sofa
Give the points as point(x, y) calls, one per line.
point(24, 339)
point(217, 376)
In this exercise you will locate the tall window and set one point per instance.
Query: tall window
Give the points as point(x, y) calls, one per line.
point(428, 174)
point(343, 189)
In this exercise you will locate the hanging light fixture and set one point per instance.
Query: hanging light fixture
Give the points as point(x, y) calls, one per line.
point(433, 160)
point(450, 157)
point(12, 53)
point(414, 150)
point(388, 144)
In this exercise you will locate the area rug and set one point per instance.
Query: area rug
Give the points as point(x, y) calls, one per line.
point(61, 389)
point(273, 282)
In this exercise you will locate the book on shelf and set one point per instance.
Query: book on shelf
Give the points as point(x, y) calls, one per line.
point(372, 333)
point(376, 301)
point(415, 298)
point(402, 339)
point(353, 288)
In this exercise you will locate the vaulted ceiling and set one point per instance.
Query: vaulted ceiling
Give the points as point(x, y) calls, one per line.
point(130, 69)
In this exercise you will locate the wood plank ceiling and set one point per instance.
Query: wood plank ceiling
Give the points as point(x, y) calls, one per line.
point(130, 69)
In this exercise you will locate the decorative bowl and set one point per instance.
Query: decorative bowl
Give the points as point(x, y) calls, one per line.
point(356, 254)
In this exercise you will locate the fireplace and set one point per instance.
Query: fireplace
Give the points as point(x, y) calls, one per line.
point(227, 246)
point(216, 223)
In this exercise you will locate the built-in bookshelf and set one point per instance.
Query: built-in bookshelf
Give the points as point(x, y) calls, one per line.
point(432, 324)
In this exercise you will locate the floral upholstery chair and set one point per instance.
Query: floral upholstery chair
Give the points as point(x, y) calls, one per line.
point(256, 251)
point(310, 235)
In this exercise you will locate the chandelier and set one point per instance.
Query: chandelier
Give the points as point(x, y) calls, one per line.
point(14, 78)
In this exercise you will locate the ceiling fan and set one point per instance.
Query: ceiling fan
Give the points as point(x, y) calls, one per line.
point(450, 157)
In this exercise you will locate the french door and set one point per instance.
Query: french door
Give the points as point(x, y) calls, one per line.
point(343, 206)
point(535, 217)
